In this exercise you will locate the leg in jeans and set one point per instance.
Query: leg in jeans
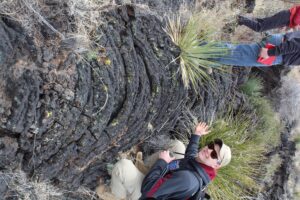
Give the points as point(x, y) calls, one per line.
point(246, 55)
point(278, 20)
point(126, 180)
point(275, 39)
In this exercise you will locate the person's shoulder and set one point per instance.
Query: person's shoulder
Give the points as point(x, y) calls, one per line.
point(186, 175)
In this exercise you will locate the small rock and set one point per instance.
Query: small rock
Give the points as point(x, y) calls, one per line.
point(59, 88)
point(68, 95)
point(47, 55)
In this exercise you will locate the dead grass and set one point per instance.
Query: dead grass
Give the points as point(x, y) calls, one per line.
point(265, 8)
point(270, 169)
point(21, 187)
point(211, 20)
point(84, 16)
point(290, 96)
point(27, 12)
point(289, 111)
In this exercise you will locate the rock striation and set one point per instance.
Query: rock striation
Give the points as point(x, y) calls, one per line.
point(65, 115)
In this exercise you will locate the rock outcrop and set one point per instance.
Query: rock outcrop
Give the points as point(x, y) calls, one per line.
point(64, 116)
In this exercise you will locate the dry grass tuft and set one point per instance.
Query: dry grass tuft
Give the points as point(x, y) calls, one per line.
point(212, 20)
point(265, 8)
point(83, 15)
point(27, 13)
point(290, 96)
point(22, 188)
point(19, 186)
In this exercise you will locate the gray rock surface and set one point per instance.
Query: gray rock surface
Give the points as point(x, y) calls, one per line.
point(64, 116)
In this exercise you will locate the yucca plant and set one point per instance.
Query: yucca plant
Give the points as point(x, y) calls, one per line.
point(197, 50)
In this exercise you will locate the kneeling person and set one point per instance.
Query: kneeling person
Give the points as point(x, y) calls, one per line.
point(187, 177)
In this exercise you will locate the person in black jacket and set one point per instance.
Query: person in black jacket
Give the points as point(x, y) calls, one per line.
point(285, 18)
point(280, 49)
point(186, 178)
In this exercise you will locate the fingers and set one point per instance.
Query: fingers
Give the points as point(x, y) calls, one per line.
point(264, 53)
point(202, 129)
point(202, 125)
point(261, 52)
point(165, 155)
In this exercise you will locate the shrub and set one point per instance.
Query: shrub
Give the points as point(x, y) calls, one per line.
point(267, 120)
point(250, 133)
point(22, 188)
point(252, 87)
point(236, 179)
point(196, 50)
point(196, 34)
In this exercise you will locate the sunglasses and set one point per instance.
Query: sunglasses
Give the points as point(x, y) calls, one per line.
point(211, 146)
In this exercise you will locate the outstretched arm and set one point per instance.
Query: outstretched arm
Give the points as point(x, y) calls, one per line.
point(192, 148)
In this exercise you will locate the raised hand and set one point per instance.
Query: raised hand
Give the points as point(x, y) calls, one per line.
point(202, 129)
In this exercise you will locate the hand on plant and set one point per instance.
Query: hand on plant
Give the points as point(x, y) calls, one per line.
point(202, 129)
point(264, 53)
point(165, 155)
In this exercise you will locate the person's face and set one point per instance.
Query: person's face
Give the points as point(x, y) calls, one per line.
point(210, 155)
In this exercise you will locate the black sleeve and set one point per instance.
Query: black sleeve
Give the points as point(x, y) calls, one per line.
point(157, 171)
point(193, 146)
point(291, 35)
point(287, 47)
point(180, 185)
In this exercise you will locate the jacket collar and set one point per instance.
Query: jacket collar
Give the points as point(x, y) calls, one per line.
point(207, 173)
point(211, 172)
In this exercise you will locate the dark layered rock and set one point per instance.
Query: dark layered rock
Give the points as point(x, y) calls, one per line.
point(280, 187)
point(65, 116)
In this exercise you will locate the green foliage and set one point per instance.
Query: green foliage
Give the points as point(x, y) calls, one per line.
point(196, 50)
point(250, 133)
point(232, 180)
point(252, 87)
point(267, 119)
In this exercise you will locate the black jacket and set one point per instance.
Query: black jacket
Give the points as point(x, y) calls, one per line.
point(289, 49)
point(182, 183)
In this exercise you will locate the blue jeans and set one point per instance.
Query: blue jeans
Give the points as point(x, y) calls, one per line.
point(246, 55)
